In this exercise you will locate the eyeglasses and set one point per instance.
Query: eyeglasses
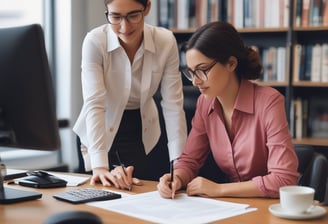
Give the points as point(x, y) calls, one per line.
point(132, 17)
point(198, 72)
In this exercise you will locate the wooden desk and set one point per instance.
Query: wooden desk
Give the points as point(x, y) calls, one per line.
point(36, 211)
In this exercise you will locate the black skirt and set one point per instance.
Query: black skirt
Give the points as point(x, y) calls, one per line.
point(128, 145)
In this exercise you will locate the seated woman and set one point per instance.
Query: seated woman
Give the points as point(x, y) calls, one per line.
point(242, 123)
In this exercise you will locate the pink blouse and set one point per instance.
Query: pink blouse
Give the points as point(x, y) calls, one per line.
point(260, 148)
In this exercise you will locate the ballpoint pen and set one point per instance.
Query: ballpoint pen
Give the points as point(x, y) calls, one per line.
point(123, 166)
point(172, 175)
point(171, 170)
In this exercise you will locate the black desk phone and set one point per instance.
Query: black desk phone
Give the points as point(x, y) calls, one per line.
point(41, 179)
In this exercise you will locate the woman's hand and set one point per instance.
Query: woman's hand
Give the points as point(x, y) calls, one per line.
point(203, 187)
point(166, 188)
point(118, 177)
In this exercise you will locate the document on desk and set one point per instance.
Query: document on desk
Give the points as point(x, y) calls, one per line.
point(72, 180)
point(183, 209)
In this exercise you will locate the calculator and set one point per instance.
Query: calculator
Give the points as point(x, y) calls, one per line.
point(83, 195)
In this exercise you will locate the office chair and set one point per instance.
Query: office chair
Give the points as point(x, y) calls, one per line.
point(313, 168)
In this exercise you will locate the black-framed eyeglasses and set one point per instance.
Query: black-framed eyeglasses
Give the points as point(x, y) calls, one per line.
point(132, 17)
point(198, 72)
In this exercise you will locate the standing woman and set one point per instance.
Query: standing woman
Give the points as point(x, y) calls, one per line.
point(242, 123)
point(124, 62)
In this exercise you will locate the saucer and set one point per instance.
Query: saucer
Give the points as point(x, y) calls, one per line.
point(316, 212)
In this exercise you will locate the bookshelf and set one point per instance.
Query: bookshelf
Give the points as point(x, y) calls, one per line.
point(267, 24)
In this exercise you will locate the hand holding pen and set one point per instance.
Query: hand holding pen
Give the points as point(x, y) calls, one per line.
point(124, 171)
point(169, 183)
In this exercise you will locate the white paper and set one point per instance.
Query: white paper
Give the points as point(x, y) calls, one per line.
point(183, 209)
point(72, 180)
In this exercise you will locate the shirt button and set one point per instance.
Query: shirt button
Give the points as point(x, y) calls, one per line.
point(111, 129)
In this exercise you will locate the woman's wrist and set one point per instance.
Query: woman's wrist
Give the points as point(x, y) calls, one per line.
point(180, 180)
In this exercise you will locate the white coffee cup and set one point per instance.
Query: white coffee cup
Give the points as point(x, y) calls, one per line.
point(296, 199)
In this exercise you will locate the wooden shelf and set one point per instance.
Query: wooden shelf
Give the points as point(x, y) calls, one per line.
point(311, 28)
point(273, 83)
point(312, 141)
point(310, 84)
point(264, 30)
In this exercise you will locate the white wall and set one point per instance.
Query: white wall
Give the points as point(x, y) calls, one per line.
point(74, 18)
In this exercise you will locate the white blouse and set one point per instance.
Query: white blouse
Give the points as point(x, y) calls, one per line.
point(107, 92)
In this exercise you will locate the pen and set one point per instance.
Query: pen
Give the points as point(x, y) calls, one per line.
point(171, 170)
point(122, 165)
point(172, 176)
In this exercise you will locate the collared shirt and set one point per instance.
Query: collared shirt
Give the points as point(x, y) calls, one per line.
point(107, 88)
point(259, 148)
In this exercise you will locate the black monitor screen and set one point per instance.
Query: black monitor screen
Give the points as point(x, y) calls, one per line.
point(27, 105)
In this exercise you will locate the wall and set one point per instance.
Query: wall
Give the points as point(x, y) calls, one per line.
point(74, 19)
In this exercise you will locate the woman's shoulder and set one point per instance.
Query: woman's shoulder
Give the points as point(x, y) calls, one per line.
point(267, 94)
point(100, 31)
point(98, 36)
point(266, 90)
point(159, 33)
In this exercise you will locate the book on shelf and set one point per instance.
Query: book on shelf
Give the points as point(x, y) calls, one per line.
point(324, 62)
point(281, 64)
point(298, 12)
point(172, 14)
point(311, 13)
point(238, 13)
point(274, 64)
point(305, 12)
point(163, 13)
point(308, 62)
point(297, 61)
point(316, 63)
point(311, 62)
point(183, 14)
point(315, 13)
point(299, 118)
point(249, 14)
point(325, 13)
point(272, 13)
point(152, 17)
point(213, 10)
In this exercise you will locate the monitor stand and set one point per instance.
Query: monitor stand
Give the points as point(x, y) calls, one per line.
point(11, 195)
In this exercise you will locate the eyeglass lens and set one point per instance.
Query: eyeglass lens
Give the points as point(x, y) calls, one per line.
point(199, 73)
point(132, 17)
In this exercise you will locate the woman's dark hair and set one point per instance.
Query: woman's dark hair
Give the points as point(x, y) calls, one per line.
point(220, 40)
point(142, 2)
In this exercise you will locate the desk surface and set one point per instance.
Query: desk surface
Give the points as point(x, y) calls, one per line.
point(36, 211)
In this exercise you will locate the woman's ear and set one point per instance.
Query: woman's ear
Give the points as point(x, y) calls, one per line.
point(147, 9)
point(232, 63)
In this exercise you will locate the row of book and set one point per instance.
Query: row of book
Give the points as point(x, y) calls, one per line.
point(184, 14)
point(258, 13)
point(311, 62)
point(274, 64)
point(311, 13)
point(309, 118)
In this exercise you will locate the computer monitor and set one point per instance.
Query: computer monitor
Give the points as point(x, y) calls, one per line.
point(27, 103)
